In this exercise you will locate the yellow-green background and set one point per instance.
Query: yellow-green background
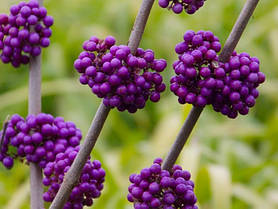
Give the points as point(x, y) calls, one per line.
point(233, 162)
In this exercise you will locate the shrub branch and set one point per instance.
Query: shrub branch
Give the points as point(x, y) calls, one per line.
point(224, 56)
point(74, 173)
point(34, 107)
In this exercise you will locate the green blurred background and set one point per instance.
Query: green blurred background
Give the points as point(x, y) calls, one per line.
point(233, 162)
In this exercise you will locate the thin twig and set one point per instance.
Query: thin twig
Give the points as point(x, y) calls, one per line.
point(5, 126)
point(182, 137)
point(34, 107)
point(140, 24)
point(74, 173)
point(238, 29)
point(195, 113)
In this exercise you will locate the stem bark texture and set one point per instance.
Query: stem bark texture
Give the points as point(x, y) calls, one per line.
point(224, 56)
point(75, 171)
point(34, 108)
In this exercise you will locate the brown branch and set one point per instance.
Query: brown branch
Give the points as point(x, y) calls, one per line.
point(74, 173)
point(195, 113)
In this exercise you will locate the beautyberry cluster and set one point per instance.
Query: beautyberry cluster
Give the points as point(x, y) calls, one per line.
point(190, 6)
point(201, 79)
point(239, 93)
point(157, 188)
point(38, 139)
point(24, 32)
point(123, 80)
point(88, 187)
point(195, 80)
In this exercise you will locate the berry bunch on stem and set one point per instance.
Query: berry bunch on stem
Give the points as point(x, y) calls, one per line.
point(123, 80)
point(101, 115)
point(201, 79)
point(158, 188)
point(24, 32)
point(224, 56)
point(242, 78)
point(88, 187)
point(38, 139)
point(52, 144)
point(189, 6)
point(195, 80)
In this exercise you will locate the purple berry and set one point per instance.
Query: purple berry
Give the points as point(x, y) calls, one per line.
point(164, 188)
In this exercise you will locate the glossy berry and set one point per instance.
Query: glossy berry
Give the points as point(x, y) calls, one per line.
point(239, 93)
point(89, 186)
point(201, 79)
point(123, 80)
point(195, 79)
point(157, 188)
point(177, 6)
point(37, 139)
point(24, 32)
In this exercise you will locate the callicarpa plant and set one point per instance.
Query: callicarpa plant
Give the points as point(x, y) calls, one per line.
point(89, 186)
point(177, 6)
point(24, 32)
point(37, 139)
point(53, 144)
point(158, 188)
point(124, 80)
point(227, 81)
point(201, 79)
point(125, 77)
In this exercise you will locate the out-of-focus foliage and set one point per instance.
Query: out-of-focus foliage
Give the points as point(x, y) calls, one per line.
point(234, 162)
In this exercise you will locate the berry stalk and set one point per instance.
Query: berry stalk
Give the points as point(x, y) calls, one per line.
point(74, 173)
point(182, 138)
point(139, 25)
point(34, 107)
point(238, 29)
point(195, 113)
point(5, 125)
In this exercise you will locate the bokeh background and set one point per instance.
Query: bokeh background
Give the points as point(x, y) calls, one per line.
point(234, 163)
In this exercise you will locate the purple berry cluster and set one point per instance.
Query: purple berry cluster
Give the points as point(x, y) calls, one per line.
point(195, 80)
point(38, 139)
point(24, 32)
point(88, 187)
point(123, 80)
point(201, 79)
point(157, 188)
point(190, 6)
point(242, 78)
point(53, 144)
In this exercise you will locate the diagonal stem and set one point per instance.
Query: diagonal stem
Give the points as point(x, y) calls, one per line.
point(182, 137)
point(74, 173)
point(195, 113)
point(238, 29)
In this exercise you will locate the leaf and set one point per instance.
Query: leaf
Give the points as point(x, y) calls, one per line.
point(19, 197)
point(161, 139)
point(221, 186)
point(48, 88)
point(190, 158)
point(202, 188)
point(251, 197)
